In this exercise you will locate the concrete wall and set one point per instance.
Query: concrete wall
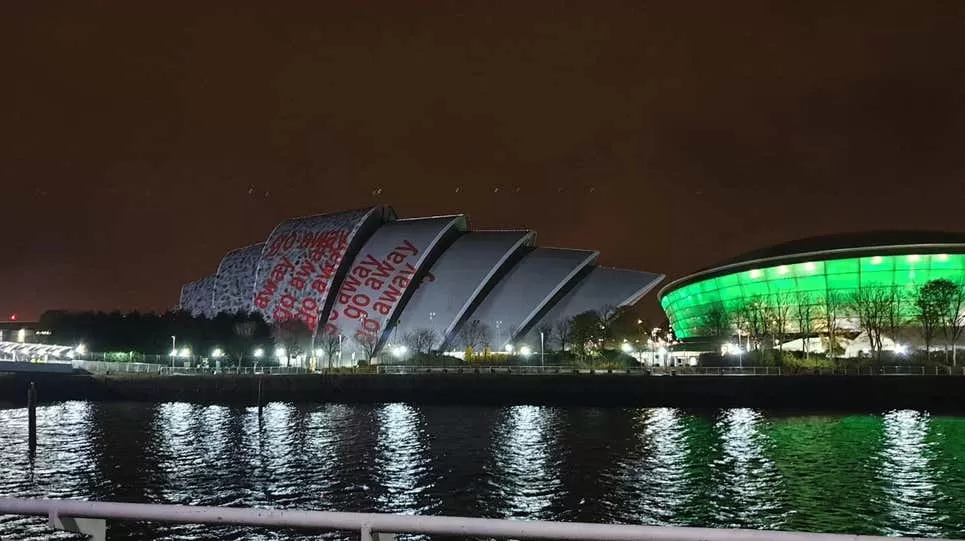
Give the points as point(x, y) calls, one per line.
point(810, 393)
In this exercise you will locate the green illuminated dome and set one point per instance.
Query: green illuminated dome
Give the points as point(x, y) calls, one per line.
point(806, 270)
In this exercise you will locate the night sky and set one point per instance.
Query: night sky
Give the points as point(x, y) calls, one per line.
point(137, 147)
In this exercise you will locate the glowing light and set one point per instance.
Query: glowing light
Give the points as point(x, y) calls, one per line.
point(525, 351)
point(876, 260)
point(399, 351)
point(279, 352)
point(81, 349)
point(508, 348)
point(901, 349)
point(626, 347)
point(22, 335)
point(913, 258)
point(184, 353)
point(783, 269)
point(756, 273)
point(217, 353)
point(319, 352)
point(942, 257)
point(174, 353)
point(810, 266)
point(259, 353)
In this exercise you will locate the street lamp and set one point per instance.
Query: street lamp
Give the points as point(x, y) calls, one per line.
point(259, 353)
point(525, 351)
point(217, 353)
point(542, 339)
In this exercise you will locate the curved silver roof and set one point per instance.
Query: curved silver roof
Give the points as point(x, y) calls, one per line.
point(301, 260)
point(601, 287)
point(381, 277)
point(235, 279)
point(366, 274)
point(527, 288)
point(457, 279)
point(196, 297)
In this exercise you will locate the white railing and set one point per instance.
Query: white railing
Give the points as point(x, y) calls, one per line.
point(101, 367)
point(90, 519)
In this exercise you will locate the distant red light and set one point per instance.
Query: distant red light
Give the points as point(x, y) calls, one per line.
point(13, 317)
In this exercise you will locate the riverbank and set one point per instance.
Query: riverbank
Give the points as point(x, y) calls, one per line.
point(936, 393)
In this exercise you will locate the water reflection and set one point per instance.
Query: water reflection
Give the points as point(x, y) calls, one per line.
point(749, 486)
point(905, 474)
point(526, 476)
point(653, 479)
point(898, 473)
point(401, 460)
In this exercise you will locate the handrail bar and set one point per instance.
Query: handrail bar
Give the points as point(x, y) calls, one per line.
point(368, 523)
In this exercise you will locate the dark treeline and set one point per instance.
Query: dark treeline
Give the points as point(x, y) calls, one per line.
point(150, 333)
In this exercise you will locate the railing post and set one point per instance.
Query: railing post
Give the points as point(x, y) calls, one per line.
point(95, 528)
point(369, 535)
point(32, 418)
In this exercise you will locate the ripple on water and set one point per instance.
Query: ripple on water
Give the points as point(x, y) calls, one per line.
point(901, 473)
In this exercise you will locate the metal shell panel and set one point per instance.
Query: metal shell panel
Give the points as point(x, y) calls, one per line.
point(301, 261)
point(457, 279)
point(526, 289)
point(380, 278)
point(196, 297)
point(235, 280)
point(602, 287)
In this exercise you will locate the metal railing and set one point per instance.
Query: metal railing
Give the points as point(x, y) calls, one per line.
point(101, 367)
point(891, 370)
point(90, 518)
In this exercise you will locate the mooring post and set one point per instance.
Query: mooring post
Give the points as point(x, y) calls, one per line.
point(260, 402)
point(32, 417)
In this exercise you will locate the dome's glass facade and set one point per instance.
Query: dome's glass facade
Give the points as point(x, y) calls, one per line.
point(690, 302)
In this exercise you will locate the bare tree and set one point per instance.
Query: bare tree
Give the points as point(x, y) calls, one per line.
point(803, 315)
point(294, 336)
point(563, 328)
point(871, 305)
point(330, 343)
point(368, 344)
point(895, 317)
point(928, 312)
point(716, 321)
point(758, 319)
point(420, 340)
point(955, 319)
point(741, 316)
point(779, 312)
point(475, 334)
point(831, 308)
point(945, 300)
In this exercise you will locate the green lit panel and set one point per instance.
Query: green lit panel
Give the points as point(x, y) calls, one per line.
point(688, 307)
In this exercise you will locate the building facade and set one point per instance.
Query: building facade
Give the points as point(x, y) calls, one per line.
point(372, 278)
point(796, 285)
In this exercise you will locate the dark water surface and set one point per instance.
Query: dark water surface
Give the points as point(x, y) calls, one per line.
point(897, 473)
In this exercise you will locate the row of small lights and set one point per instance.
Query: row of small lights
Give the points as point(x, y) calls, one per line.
point(810, 266)
point(218, 353)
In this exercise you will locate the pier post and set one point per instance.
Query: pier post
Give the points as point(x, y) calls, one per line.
point(260, 401)
point(32, 417)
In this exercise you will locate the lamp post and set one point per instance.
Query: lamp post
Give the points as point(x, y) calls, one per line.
point(174, 349)
point(542, 339)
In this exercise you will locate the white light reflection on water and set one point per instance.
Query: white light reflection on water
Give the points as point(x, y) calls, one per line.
point(904, 470)
point(652, 480)
point(63, 466)
point(528, 479)
point(402, 460)
point(747, 485)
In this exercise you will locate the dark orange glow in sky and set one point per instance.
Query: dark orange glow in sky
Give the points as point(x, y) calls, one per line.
point(138, 144)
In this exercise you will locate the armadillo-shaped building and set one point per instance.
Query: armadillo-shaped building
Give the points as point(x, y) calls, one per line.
point(371, 277)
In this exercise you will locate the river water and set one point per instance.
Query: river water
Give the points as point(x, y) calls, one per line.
point(894, 473)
